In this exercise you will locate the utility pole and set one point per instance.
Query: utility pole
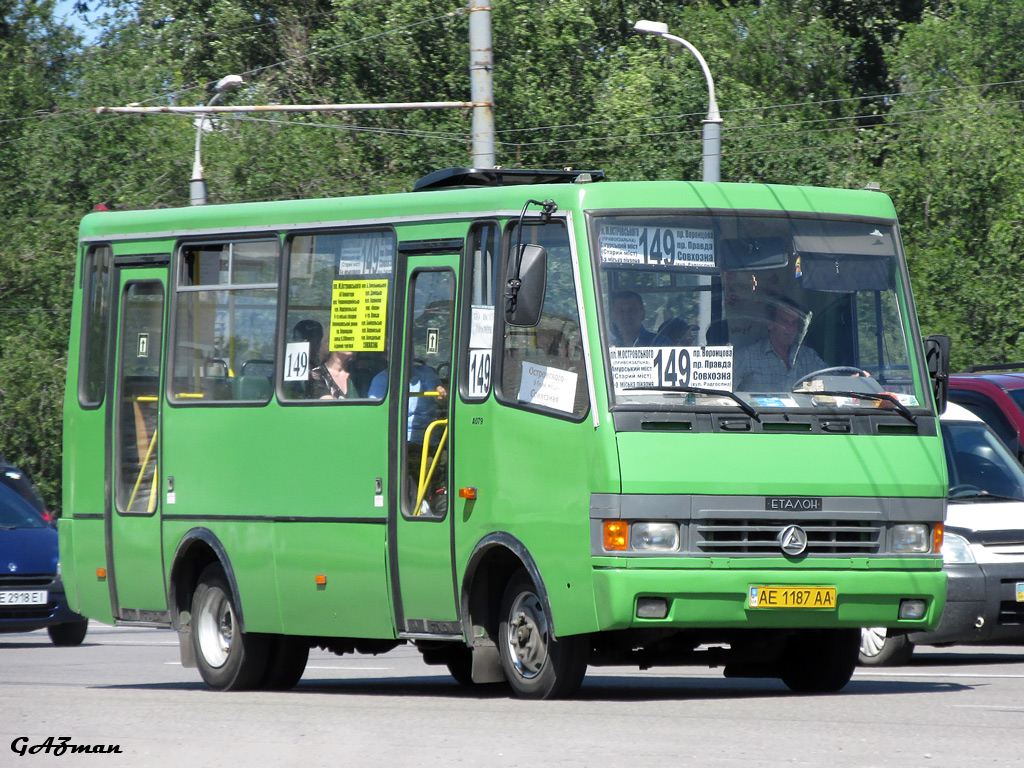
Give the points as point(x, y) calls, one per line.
point(481, 79)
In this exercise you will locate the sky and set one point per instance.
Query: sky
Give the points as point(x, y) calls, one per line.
point(65, 10)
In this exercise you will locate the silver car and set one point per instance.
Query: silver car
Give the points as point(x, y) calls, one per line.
point(983, 550)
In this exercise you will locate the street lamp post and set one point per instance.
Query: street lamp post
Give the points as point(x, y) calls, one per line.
point(197, 186)
point(712, 147)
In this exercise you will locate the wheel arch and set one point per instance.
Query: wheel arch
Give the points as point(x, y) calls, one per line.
point(196, 550)
point(490, 567)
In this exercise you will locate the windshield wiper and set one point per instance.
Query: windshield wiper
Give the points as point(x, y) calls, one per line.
point(900, 407)
point(743, 404)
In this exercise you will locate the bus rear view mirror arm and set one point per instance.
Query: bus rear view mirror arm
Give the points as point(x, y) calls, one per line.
point(936, 353)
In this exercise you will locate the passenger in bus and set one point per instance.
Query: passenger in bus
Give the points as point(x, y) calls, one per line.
point(422, 410)
point(331, 379)
point(778, 361)
point(311, 332)
point(628, 315)
point(676, 332)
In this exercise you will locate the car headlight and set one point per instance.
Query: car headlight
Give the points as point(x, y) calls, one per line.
point(663, 537)
point(956, 549)
point(911, 537)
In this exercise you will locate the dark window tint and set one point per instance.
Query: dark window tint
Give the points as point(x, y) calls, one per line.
point(476, 376)
point(20, 483)
point(986, 409)
point(92, 373)
point(15, 512)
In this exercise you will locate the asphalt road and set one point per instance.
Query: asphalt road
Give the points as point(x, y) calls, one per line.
point(125, 687)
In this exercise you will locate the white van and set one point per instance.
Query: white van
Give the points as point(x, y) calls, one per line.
point(983, 550)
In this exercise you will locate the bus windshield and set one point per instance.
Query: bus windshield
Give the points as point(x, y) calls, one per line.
point(776, 311)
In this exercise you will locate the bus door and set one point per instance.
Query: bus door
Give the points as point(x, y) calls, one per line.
point(133, 449)
point(421, 520)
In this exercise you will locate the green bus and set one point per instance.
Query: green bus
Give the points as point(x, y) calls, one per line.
point(529, 421)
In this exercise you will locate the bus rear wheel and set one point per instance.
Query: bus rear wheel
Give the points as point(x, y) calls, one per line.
point(820, 661)
point(537, 665)
point(285, 663)
point(228, 658)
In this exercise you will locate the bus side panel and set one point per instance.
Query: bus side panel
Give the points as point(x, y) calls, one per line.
point(83, 555)
point(354, 600)
point(253, 475)
point(248, 546)
point(534, 475)
point(83, 546)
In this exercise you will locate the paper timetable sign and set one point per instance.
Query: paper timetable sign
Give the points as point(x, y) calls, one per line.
point(667, 367)
point(358, 315)
point(667, 247)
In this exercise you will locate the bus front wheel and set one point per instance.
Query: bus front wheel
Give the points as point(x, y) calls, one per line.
point(537, 665)
point(820, 661)
point(228, 659)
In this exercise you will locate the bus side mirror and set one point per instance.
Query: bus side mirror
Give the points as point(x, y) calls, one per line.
point(936, 355)
point(524, 286)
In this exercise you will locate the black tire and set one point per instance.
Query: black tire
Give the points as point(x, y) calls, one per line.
point(820, 661)
point(460, 665)
point(286, 662)
point(228, 659)
point(69, 633)
point(537, 665)
point(880, 649)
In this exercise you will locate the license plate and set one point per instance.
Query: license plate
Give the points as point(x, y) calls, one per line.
point(1020, 591)
point(792, 597)
point(35, 597)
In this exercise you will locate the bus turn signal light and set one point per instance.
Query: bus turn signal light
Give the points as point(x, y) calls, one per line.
point(616, 535)
point(938, 534)
point(467, 493)
point(321, 579)
point(101, 573)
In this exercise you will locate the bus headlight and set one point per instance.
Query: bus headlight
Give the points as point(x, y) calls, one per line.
point(911, 537)
point(662, 537)
point(956, 549)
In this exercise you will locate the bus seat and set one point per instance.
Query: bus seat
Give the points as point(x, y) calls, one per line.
point(251, 388)
point(257, 368)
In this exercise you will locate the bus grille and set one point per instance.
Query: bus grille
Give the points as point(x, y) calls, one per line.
point(32, 581)
point(761, 537)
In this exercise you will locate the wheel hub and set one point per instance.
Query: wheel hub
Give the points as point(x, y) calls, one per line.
point(527, 635)
point(216, 628)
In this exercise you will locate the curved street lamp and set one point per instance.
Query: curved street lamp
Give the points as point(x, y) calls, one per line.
point(197, 186)
point(712, 148)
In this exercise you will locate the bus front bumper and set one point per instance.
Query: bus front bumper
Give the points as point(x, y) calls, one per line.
point(719, 596)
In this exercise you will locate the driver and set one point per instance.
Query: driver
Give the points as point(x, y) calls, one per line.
point(779, 360)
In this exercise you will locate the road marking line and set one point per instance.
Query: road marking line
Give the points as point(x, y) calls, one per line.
point(861, 673)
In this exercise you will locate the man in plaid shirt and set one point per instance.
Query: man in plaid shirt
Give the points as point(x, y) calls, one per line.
point(776, 362)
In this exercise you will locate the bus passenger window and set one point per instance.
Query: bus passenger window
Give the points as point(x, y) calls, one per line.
point(543, 367)
point(225, 321)
point(339, 303)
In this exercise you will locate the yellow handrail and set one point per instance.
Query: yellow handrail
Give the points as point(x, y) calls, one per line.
point(142, 471)
point(425, 476)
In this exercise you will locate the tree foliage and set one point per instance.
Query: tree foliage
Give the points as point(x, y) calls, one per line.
point(922, 96)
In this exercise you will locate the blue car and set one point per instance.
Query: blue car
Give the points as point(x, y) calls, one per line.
point(31, 591)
